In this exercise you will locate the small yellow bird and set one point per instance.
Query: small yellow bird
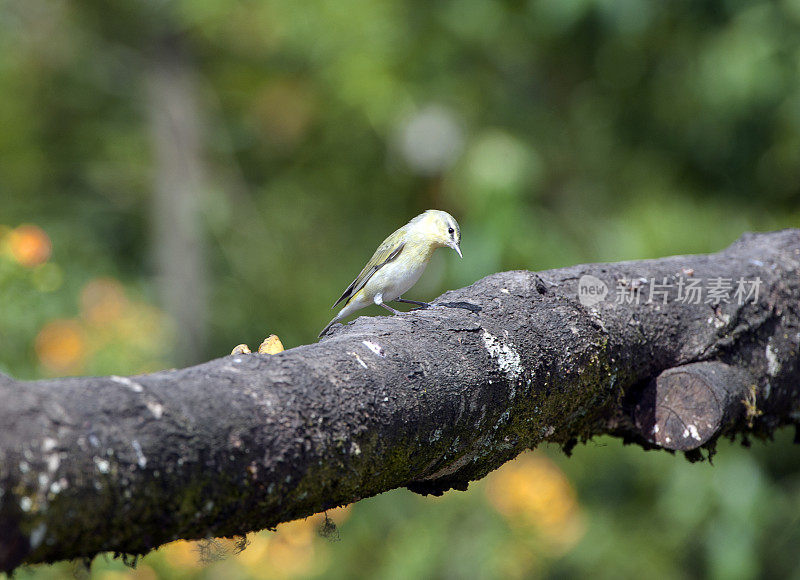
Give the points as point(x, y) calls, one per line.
point(399, 262)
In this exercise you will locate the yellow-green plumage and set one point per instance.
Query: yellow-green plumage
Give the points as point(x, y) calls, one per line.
point(398, 262)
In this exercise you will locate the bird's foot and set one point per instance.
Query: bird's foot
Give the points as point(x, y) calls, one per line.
point(422, 305)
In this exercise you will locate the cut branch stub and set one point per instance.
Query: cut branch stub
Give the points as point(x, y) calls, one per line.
point(686, 406)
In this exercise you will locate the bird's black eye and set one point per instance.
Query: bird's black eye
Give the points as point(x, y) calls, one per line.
point(450, 231)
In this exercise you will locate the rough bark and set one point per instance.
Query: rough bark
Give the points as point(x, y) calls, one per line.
point(429, 400)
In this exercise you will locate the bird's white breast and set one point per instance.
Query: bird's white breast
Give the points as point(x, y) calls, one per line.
point(394, 279)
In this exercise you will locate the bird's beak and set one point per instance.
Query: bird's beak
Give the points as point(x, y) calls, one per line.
point(458, 250)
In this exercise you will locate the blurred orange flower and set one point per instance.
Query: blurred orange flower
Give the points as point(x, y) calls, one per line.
point(61, 346)
point(29, 245)
point(103, 300)
point(113, 333)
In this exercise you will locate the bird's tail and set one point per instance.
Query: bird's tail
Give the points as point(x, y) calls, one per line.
point(331, 323)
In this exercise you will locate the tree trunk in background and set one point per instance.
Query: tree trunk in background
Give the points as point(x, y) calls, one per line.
point(179, 184)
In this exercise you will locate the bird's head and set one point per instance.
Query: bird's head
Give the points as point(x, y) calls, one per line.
point(439, 228)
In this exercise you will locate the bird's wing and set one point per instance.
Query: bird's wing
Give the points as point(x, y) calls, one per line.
point(386, 252)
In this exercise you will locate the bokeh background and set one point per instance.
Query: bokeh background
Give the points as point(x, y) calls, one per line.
point(179, 177)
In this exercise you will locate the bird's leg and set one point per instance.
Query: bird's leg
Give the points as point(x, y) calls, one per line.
point(420, 304)
point(389, 308)
point(379, 302)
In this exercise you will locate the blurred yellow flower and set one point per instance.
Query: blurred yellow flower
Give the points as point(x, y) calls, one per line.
point(257, 552)
point(295, 549)
point(141, 572)
point(61, 347)
point(29, 245)
point(337, 515)
point(182, 554)
point(533, 491)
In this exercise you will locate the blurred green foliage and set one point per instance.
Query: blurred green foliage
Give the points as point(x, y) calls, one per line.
point(556, 131)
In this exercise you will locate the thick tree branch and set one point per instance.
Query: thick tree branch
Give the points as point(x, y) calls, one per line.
point(429, 400)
